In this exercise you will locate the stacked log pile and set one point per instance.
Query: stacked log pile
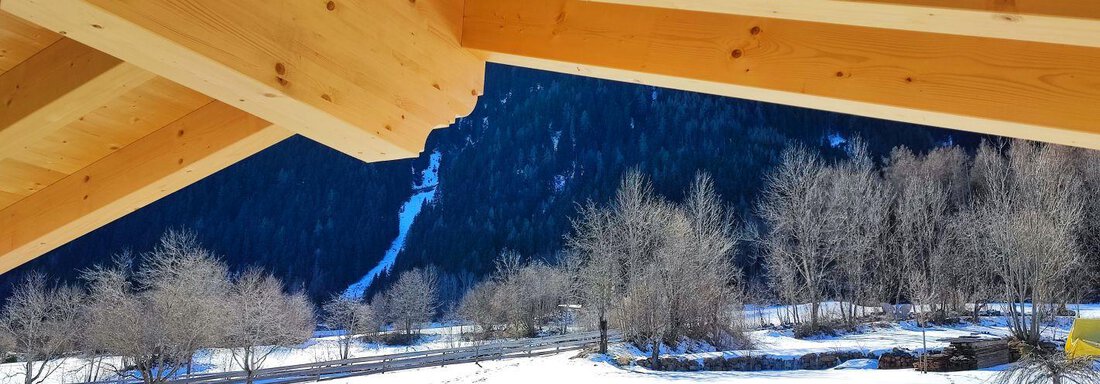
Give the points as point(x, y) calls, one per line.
point(935, 362)
point(896, 359)
point(967, 353)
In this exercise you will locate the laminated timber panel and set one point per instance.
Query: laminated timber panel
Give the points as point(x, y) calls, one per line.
point(113, 124)
point(1071, 22)
point(55, 87)
point(20, 40)
point(1023, 89)
point(179, 154)
point(368, 78)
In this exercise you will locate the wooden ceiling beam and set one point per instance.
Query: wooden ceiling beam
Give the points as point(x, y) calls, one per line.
point(20, 40)
point(1071, 22)
point(57, 86)
point(175, 156)
point(368, 78)
point(1023, 89)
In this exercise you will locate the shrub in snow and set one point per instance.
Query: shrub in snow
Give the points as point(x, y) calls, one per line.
point(356, 318)
point(1049, 365)
point(411, 301)
point(264, 319)
point(158, 316)
point(522, 296)
point(657, 270)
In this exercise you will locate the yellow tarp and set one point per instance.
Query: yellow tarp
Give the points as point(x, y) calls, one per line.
point(1084, 338)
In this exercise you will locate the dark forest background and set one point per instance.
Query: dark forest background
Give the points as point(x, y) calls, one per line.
point(512, 176)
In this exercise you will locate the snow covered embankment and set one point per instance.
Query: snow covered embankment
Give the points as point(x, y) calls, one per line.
point(422, 194)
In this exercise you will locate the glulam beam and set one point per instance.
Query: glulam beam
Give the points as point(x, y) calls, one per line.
point(20, 40)
point(1071, 22)
point(368, 78)
point(1023, 89)
point(175, 156)
point(56, 86)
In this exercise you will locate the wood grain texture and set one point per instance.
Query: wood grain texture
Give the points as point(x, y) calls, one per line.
point(203, 142)
point(1019, 89)
point(1073, 22)
point(1087, 9)
point(370, 79)
point(113, 125)
point(57, 86)
point(20, 40)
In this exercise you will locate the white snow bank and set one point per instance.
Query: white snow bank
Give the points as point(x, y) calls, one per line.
point(858, 364)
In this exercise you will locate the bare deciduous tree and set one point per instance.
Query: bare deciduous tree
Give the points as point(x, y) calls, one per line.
point(157, 317)
point(522, 295)
point(800, 245)
point(40, 324)
point(263, 318)
point(1030, 205)
point(412, 300)
point(659, 270)
point(354, 317)
point(478, 306)
point(862, 201)
point(600, 272)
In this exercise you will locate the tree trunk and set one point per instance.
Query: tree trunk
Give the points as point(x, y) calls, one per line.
point(603, 335)
point(248, 368)
point(655, 354)
point(147, 374)
point(813, 314)
point(924, 340)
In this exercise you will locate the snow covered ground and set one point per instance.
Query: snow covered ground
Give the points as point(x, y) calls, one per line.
point(571, 368)
point(568, 367)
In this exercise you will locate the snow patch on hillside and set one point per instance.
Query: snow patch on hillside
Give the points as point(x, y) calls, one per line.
point(423, 193)
point(836, 140)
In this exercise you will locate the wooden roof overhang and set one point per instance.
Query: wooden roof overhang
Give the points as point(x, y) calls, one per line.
point(109, 105)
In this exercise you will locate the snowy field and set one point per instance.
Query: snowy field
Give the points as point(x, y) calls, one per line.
point(569, 367)
point(566, 368)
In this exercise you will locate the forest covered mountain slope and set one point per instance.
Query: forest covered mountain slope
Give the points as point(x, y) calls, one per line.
point(511, 177)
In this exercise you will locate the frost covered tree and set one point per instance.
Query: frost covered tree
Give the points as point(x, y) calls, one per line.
point(800, 246)
point(599, 275)
point(40, 324)
point(354, 317)
point(971, 276)
point(660, 271)
point(1031, 206)
point(412, 300)
point(478, 305)
point(927, 190)
point(158, 316)
point(263, 318)
point(861, 199)
point(522, 296)
point(710, 282)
